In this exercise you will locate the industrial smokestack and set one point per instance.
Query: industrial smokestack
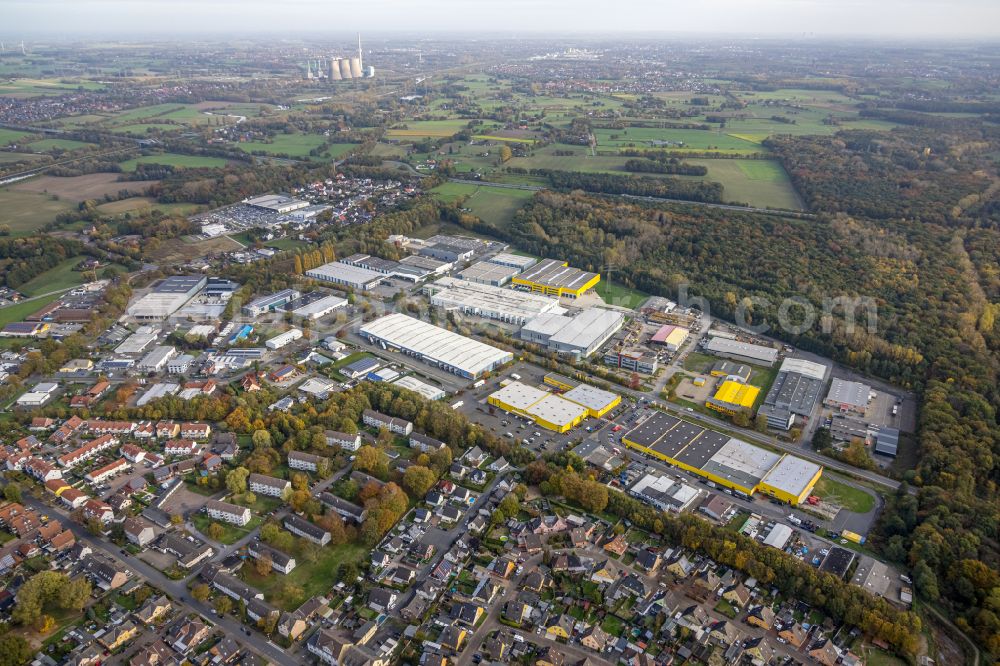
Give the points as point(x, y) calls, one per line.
point(345, 68)
point(335, 69)
point(356, 72)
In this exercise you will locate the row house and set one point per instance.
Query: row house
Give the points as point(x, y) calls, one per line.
point(88, 450)
point(41, 470)
point(98, 510)
point(181, 447)
point(101, 427)
point(73, 498)
point(63, 432)
point(108, 471)
point(195, 430)
point(167, 429)
point(133, 452)
point(144, 430)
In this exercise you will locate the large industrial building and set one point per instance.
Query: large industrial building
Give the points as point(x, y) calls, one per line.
point(486, 272)
point(434, 345)
point(795, 392)
point(345, 275)
point(671, 337)
point(546, 409)
point(318, 308)
point(428, 391)
point(166, 298)
point(270, 302)
point(581, 335)
point(483, 300)
point(520, 262)
point(848, 396)
point(744, 352)
point(724, 460)
point(733, 398)
point(554, 412)
point(556, 278)
point(663, 492)
point(276, 203)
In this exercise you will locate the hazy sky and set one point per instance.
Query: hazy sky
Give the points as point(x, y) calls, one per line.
point(862, 18)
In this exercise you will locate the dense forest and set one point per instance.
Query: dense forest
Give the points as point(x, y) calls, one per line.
point(935, 333)
point(926, 175)
point(609, 183)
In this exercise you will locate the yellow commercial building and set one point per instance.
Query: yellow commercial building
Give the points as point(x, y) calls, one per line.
point(733, 397)
point(553, 277)
point(724, 461)
point(551, 411)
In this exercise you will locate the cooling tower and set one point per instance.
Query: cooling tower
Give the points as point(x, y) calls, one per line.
point(335, 69)
point(345, 69)
point(356, 67)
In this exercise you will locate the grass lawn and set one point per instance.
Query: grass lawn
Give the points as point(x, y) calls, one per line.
point(726, 609)
point(615, 293)
point(761, 183)
point(230, 533)
point(26, 212)
point(174, 160)
point(306, 580)
point(61, 276)
point(19, 311)
point(849, 497)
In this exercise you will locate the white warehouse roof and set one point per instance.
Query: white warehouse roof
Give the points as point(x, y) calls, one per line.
point(439, 346)
point(803, 367)
point(792, 475)
point(488, 301)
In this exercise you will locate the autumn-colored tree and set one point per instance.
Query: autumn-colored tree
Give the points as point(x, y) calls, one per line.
point(200, 592)
point(418, 480)
point(215, 531)
point(264, 565)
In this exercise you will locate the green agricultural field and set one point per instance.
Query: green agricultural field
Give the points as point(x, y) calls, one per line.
point(143, 128)
point(46, 145)
point(37, 87)
point(147, 112)
point(174, 160)
point(61, 276)
point(137, 203)
point(295, 145)
point(495, 205)
point(19, 311)
point(761, 183)
point(435, 129)
point(693, 140)
point(25, 212)
point(8, 136)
